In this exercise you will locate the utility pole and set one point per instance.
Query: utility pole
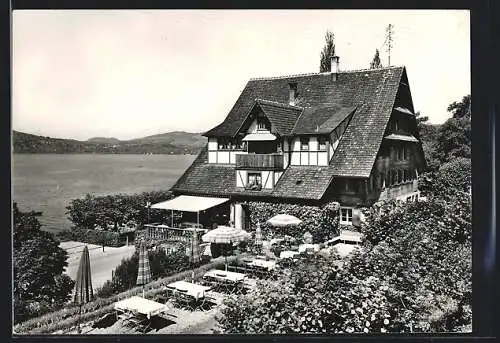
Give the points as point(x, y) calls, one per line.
point(388, 39)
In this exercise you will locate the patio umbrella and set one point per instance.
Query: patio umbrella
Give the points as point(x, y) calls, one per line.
point(226, 235)
point(144, 271)
point(83, 286)
point(194, 255)
point(258, 235)
point(284, 220)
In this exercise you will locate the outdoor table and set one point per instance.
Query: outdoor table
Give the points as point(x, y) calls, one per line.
point(289, 254)
point(304, 247)
point(269, 265)
point(225, 275)
point(140, 305)
point(191, 289)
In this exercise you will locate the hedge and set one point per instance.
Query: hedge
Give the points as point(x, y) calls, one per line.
point(321, 221)
point(68, 318)
point(116, 209)
point(98, 237)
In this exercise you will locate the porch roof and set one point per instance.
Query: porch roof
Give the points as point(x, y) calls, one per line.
point(189, 203)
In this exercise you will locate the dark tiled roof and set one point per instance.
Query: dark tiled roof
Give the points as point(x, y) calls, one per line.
point(322, 119)
point(370, 93)
point(220, 180)
point(282, 116)
point(204, 178)
point(304, 182)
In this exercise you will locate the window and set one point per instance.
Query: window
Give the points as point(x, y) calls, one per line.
point(396, 126)
point(346, 215)
point(400, 176)
point(322, 143)
point(224, 143)
point(405, 154)
point(372, 183)
point(254, 179)
point(304, 144)
point(261, 124)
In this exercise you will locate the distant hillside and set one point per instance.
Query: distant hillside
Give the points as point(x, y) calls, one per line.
point(168, 143)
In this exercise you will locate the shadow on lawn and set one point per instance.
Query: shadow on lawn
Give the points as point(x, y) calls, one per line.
point(158, 323)
point(106, 321)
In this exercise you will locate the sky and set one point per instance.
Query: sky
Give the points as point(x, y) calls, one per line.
point(132, 73)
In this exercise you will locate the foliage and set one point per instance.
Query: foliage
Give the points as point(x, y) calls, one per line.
point(106, 238)
point(115, 210)
point(327, 53)
point(376, 63)
point(67, 317)
point(322, 222)
point(454, 140)
point(170, 143)
point(413, 274)
point(462, 108)
point(450, 180)
point(161, 264)
point(38, 262)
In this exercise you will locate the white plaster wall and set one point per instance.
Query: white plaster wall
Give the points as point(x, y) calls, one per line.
point(267, 179)
point(223, 156)
point(212, 157)
point(241, 178)
point(277, 176)
point(304, 158)
point(313, 158)
point(295, 158)
point(322, 158)
point(212, 143)
point(253, 127)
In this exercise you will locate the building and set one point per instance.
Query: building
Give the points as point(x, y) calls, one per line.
point(344, 136)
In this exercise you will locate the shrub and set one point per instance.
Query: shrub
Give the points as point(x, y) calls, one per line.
point(322, 222)
point(98, 237)
point(116, 210)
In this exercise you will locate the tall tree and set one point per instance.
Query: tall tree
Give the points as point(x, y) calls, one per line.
point(462, 108)
point(327, 53)
point(39, 282)
point(376, 63)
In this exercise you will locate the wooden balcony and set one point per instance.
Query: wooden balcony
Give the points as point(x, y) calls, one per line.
point(260, 161)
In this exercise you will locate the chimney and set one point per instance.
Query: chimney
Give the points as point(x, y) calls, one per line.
point(334, 68)
point(293, 93)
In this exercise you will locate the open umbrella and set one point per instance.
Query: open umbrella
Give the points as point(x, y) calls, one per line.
point(83, 286)
point(284, 220)
point(144, 271)
point(226, 235)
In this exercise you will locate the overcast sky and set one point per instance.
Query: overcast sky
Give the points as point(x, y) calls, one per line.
point(129, 73)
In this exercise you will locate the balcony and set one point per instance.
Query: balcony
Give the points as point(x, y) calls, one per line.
point(260, 161)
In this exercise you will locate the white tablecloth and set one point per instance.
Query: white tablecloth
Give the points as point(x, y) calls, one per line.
point(141, 305)
point(304, 247)
point(270, 265)
point(194, 290)
point(289, 254)
point(224, 275)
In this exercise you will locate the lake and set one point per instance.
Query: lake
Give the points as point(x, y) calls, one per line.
point(47, 182)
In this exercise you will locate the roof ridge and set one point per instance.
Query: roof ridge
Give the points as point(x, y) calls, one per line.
point(323, 73)
point(281, 104)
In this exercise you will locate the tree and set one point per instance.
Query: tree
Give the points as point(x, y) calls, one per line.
point(454, 139)
point(39, 263)
point(462, 108)
point(376, 63)
point(327, 53)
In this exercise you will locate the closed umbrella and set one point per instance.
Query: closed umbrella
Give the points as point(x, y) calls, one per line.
point(144, 270)
point(226, 235)
point(83, 286)
point(258, 235)
point(194, 255)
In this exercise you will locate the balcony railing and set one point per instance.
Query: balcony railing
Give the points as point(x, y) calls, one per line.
point(259, 161)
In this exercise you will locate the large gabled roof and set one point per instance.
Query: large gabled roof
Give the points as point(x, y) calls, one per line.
point(365, 96)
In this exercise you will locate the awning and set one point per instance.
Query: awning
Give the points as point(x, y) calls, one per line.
point(406, 138)
point(189, 203)
point(259, 137)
